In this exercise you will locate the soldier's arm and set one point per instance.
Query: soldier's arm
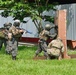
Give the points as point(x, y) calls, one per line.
point(41, 34)
point(53, 35)
point(14, 31)
point(62, 47)
point(49, 45)
point(46, 33)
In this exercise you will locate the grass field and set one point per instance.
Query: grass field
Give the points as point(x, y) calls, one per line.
point(25, 65)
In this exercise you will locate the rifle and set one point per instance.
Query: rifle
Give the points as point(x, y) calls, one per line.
point(24, 30)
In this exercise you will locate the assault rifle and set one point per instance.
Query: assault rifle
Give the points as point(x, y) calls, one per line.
point(24, 30)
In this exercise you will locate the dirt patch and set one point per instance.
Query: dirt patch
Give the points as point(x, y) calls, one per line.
point(44, 58)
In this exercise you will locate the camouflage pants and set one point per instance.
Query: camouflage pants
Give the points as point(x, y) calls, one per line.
point(8, 46)
point(53, 52)
point(14, 48)
point(42, 46)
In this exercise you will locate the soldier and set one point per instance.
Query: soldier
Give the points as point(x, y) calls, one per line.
point(43, 37)
point(16, 34)
point(55, 48)
point(6, 40)
point(4, 35)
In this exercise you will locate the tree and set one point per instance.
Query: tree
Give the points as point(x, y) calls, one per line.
point(19, 9)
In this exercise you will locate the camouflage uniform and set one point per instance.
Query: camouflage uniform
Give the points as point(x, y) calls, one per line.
point(16, 34)
point(6, 32)
point(42, 43)
point(55, 48)
point(3, 36)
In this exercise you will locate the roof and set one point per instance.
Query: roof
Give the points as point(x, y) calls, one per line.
point(63, 1)
point(59, 1)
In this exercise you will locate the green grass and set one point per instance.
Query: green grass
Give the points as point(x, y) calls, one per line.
point(25, 65)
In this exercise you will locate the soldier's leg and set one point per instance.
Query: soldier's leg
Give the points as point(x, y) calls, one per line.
point(60, 56)
point(14, 53)
point(46, 55)
point(44, 48)
point(1, 43)
point(5, 42)
point(9, 47)
point(14, 50)
point(39, 50)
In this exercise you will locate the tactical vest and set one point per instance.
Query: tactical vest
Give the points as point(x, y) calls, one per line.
point(17, 35)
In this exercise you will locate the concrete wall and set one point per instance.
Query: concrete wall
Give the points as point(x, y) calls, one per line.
point(71, 20)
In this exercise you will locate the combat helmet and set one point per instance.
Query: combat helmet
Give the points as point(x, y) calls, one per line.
point(7, 25)
point(48, 27)
point(16, 22)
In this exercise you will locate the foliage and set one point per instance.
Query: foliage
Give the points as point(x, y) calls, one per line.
point(25, 65)
point(19, 9)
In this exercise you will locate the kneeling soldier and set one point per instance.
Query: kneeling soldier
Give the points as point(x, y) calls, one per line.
point(56, 48)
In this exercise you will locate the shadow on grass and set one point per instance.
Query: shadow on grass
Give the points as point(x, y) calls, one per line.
point(20, 48)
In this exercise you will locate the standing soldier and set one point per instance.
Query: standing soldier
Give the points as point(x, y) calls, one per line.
point(56, 48)
point(16, 34)
point(6, 40)
point(4, 34)
point(43, 37)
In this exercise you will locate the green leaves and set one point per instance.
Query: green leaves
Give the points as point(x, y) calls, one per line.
point(49, 18)
point(19, 9)
point(6, 4)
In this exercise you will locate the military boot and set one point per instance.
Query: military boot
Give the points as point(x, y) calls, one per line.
point(13, 57)
point(36, 55)
point(6, 52)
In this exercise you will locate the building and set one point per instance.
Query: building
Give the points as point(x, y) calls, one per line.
point(69, 5)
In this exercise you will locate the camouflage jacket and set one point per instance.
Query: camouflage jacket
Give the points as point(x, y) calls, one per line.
point(4, 33)
point(57, 44)
point(45, 35)
point(15, 32)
